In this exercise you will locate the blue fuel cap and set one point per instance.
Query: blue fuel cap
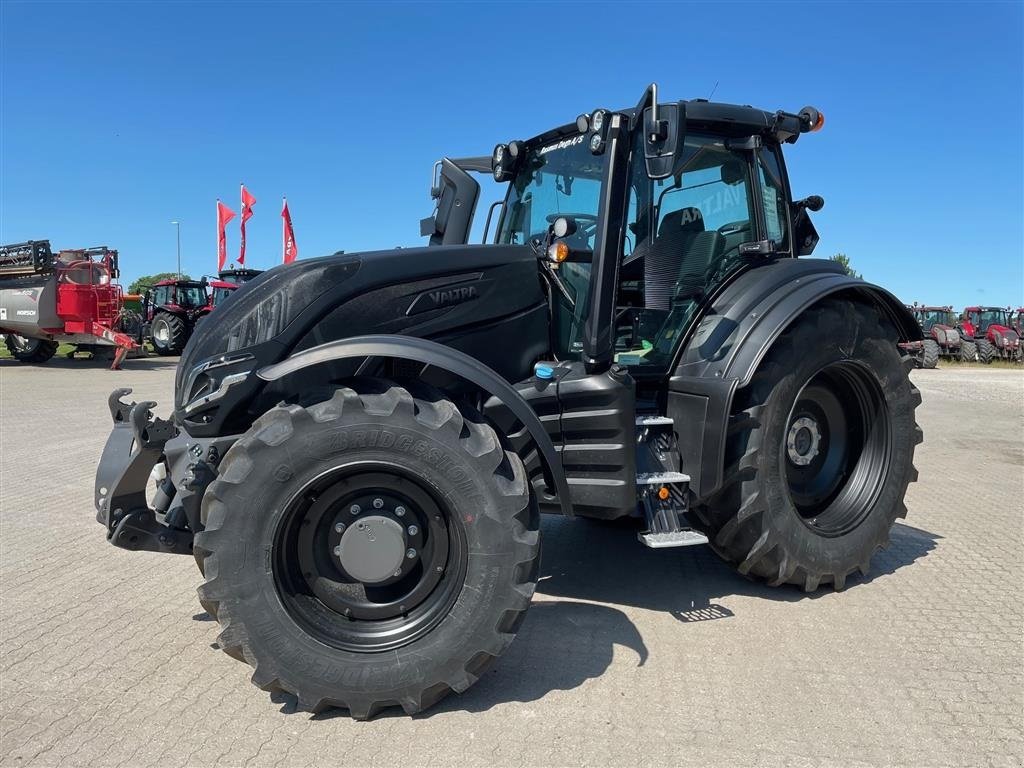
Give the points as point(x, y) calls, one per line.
point(543, 371)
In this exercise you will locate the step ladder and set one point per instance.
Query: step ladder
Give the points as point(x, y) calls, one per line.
point(662, 490)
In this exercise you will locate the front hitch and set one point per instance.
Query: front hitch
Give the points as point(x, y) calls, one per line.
point(134, 447)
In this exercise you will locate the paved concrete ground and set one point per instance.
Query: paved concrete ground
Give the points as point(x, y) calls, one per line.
point(627, 657)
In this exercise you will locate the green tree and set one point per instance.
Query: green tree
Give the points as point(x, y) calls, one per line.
point(140, 284)
point(844, 261)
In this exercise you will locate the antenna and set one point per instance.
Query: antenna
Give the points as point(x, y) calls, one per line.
point(713, 90)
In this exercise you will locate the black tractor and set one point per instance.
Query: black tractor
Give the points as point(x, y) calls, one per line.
point(361, 444)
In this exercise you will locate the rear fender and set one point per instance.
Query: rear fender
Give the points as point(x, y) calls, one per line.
point(732, 338)
point(457, 363)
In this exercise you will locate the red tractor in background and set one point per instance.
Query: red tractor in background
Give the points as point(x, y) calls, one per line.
point(172, 308)
point(941, 337)
point(991, 331)
point(1017, 321)
point(47, 299)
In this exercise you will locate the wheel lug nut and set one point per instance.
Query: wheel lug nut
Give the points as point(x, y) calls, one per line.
point(397, 573)
point(339, 527)
point(337, 551)
point(355, 509)
point(410, 553)
point(400, 511)
point(378, 503)
point(413, 530)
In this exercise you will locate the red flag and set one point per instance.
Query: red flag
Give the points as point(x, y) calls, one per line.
point(224, 215)
point(291, 251)
point(247, 203)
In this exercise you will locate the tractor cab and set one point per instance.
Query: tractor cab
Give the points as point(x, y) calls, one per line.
point(941, 337)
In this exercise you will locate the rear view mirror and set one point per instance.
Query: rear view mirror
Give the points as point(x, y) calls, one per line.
point(664, 136)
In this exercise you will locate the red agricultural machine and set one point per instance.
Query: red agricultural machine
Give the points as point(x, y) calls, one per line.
point(990, 327)
point(941, 337)
point(1017, 321)
point(47, 299)
point(173, 308)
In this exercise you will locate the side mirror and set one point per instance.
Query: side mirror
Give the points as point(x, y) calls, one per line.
point(664, 137)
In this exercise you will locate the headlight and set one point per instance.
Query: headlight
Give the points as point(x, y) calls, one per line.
point(597, 120)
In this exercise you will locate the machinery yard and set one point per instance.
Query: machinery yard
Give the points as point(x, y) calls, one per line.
point(627, 655)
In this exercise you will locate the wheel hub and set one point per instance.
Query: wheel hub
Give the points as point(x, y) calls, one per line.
point(803, 441)
point(372, 549)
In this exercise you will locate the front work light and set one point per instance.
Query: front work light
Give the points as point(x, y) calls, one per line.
point(501, 163)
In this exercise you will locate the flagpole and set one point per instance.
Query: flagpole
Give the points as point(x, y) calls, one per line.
point(217, 212)
point(284, 230)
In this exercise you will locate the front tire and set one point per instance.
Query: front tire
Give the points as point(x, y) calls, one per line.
point(930, 354)
point(27, 350)
point(968, 352)
point(985, 351)
point(821, 446)
point(371, 550)
point(169, 333)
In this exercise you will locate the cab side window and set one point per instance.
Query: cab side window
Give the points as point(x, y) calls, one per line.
point(773, 196)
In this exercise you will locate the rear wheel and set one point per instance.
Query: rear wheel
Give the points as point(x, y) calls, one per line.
point(371, 550)
point(28, 350)
point(169, 333)
point(822, 445)
point(985, 351)
point(968, 352)
point(930, 354)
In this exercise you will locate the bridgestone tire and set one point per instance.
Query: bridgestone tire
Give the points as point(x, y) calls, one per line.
point(930, 354)
point(30, 350)
point(169, 333)
point(968, 352)
point(480, 486)
point(985, 351)
point(755, 521)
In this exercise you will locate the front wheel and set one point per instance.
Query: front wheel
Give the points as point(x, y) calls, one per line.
point(968, 352)
point(27, 350)
point(821, 446)
point(985, 351)
point(930, 354)
point(375, 549)
point(169, 333)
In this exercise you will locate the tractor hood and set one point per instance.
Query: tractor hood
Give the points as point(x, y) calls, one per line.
point(424, 292)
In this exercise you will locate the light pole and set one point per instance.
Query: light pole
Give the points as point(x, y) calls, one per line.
point(177, 225)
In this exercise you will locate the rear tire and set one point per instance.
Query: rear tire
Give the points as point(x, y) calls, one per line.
point(930, 354)
point(821, 447)
point(968, 352)
point(169, 333)
point(985, 351)
point(27, 350)
point(280, 550)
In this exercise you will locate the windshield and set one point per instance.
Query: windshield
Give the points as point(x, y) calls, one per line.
point(220, 294)
point(192, 296)
point(987, 317)
point(936, 316)
point(559, 178)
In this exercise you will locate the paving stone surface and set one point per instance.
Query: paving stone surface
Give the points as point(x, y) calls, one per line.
point(627, 657)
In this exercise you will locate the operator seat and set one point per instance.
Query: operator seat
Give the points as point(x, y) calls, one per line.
point(666, 259)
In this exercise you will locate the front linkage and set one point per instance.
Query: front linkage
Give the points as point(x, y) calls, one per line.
point(141, 447)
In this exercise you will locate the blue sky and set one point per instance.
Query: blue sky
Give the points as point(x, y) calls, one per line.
point(117, 118)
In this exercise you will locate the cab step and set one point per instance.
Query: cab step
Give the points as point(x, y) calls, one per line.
point(661, 478)
point(687, 537)
point(651, 420)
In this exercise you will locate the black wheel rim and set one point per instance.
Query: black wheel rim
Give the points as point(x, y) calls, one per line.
point(836, 448)
point(366, 558)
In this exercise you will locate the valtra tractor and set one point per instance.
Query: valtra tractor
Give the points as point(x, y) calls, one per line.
point(172, 308)
point(47, 299)
point(941, 337)
point(991, 331)
point(361, 444)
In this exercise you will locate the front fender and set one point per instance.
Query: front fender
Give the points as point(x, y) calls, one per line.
point(733, 336)
point(437, 355)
